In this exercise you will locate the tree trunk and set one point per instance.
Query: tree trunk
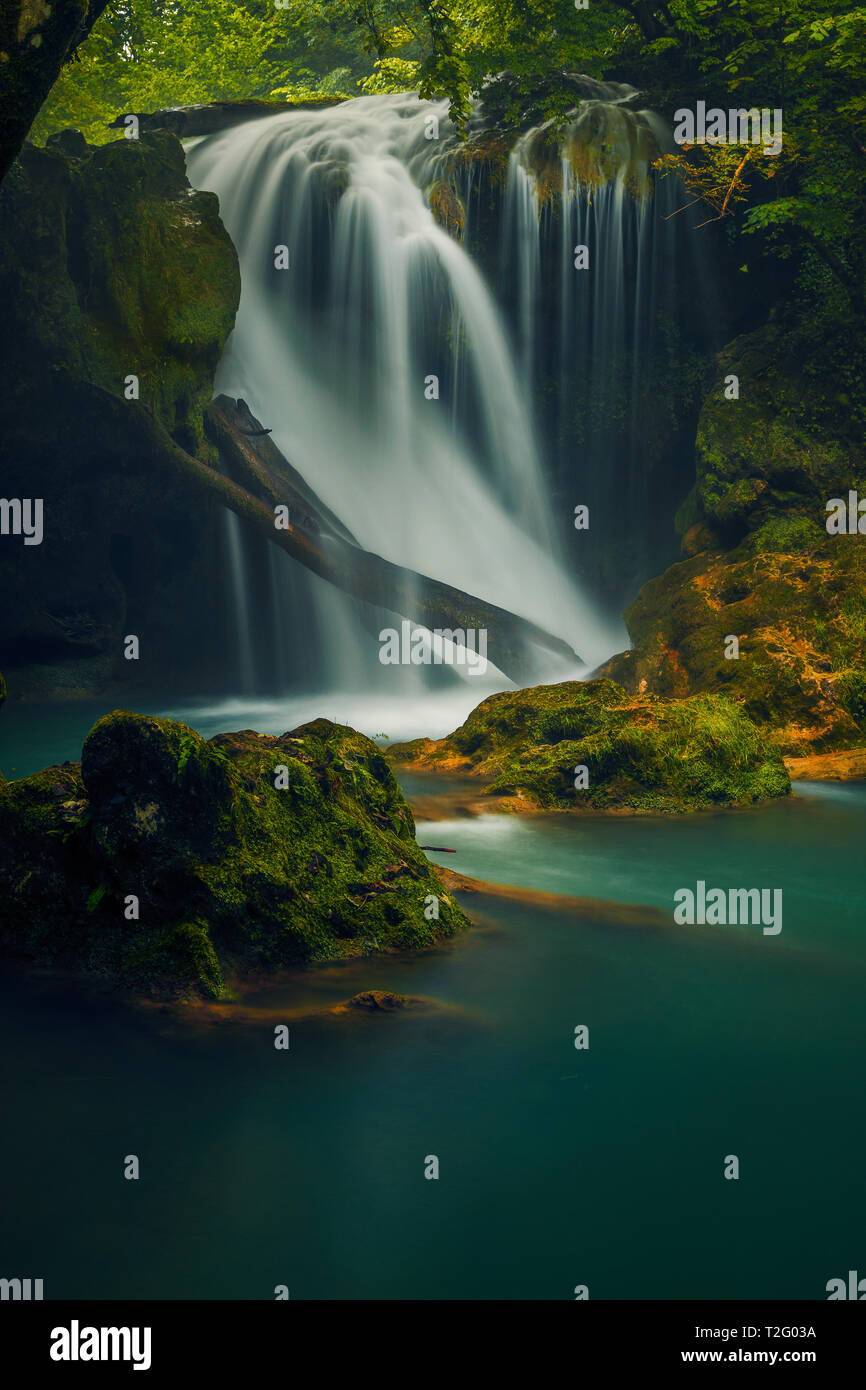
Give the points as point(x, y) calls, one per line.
point(36, 39)
point(264, 470)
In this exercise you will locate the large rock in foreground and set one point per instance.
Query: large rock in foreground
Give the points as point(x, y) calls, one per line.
point(231, 872)
point(641, 752)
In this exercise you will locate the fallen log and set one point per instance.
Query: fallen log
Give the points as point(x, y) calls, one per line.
point(187, 122)
point(428, 602)
point(248, 451)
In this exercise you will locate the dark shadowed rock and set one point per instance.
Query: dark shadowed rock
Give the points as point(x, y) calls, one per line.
point(229, 871)
point(111, 266)
point(205, 118)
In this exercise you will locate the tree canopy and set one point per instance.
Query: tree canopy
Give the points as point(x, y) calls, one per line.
point(792, 55)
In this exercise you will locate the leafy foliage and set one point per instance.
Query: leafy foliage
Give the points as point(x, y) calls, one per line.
point(521, 56)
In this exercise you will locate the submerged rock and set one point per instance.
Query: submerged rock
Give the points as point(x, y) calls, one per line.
point(640, 752)
point(377, 1001)
point(165, 861)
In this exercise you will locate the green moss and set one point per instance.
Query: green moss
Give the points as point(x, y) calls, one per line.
point(230, 869)
point(642, 753)
point(180, 960)
point(788, 534)
point(791, 440)
point(852, 695)
point(113, 266)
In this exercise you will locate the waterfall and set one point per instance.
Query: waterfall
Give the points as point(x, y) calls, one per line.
point(604, 346)
point(239, 591)
point(336, 354)
point(401, 387)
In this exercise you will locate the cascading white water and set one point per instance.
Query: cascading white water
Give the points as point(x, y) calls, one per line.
point(603, 345)
point(239, 601)
point(333, 354)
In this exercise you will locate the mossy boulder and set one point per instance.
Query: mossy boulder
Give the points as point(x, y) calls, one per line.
point(795, 599)
point(760, 564)
point(792, 440)
point(642, 753)
point(111, 267)
point(245, 852)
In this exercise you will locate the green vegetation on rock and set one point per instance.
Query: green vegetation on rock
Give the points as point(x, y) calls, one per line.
point(113, 266)
point(760, 564)
point(232, 873)
point(642, 753)
point(795, 436)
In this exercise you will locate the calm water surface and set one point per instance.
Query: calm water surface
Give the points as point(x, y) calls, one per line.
point(557, 1167)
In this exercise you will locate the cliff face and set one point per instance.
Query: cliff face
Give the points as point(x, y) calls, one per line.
point(165, 865)
point(761, 565)
point(111, 268)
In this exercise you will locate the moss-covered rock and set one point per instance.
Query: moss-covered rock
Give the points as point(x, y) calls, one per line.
point(796, 601)
point(232, 871)
point(760, 564)
point(793, 439)
point(642, 753)
point(376, 1001)
point(111, 267)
